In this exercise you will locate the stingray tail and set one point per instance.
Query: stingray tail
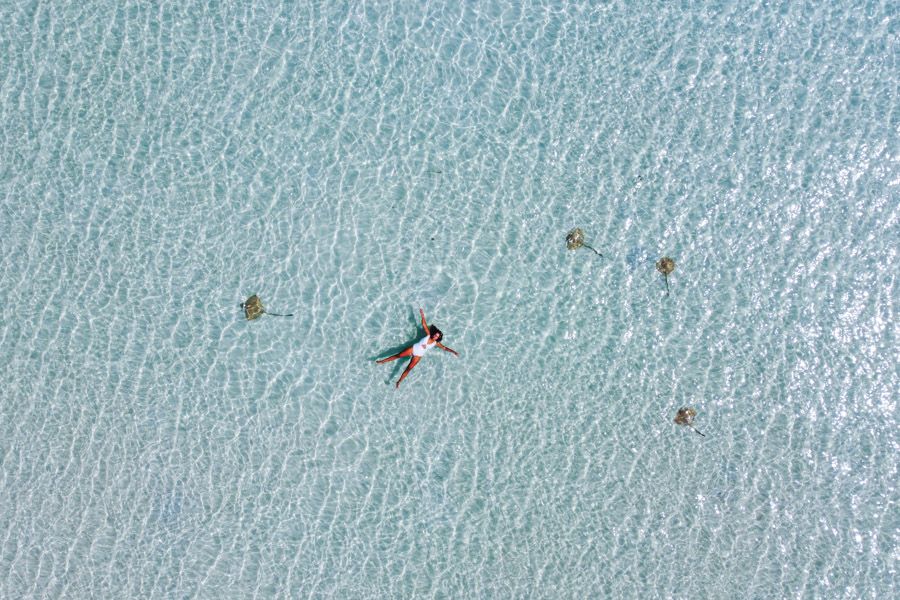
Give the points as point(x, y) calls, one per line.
point(592, 248)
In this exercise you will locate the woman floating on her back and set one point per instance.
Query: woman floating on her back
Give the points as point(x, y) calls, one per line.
point(432, 338)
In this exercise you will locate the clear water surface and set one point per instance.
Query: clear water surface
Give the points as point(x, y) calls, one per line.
point(353, 161)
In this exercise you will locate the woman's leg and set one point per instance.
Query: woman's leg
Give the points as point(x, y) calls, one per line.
point(413, 362)
point(406, 352)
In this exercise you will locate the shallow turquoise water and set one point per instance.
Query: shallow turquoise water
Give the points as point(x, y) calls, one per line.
point(351, 162)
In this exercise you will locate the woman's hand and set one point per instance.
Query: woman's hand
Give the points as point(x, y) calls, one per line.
point(443, 347)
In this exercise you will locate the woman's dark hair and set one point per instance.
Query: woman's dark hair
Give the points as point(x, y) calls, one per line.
point(432, 330)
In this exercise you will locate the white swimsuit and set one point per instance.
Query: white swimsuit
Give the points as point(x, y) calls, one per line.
point(422, 345)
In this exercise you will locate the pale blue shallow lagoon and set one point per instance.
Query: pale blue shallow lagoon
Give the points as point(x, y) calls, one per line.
point(351, 162)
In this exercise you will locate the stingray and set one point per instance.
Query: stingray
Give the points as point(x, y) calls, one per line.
point(575, 240)
point(253, 309)
point(686, 416)
point(665, 265)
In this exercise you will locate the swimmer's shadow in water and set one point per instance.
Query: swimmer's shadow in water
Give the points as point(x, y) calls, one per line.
point(400, 363)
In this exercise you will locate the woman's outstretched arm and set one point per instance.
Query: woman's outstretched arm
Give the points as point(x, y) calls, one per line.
point(443, 347)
